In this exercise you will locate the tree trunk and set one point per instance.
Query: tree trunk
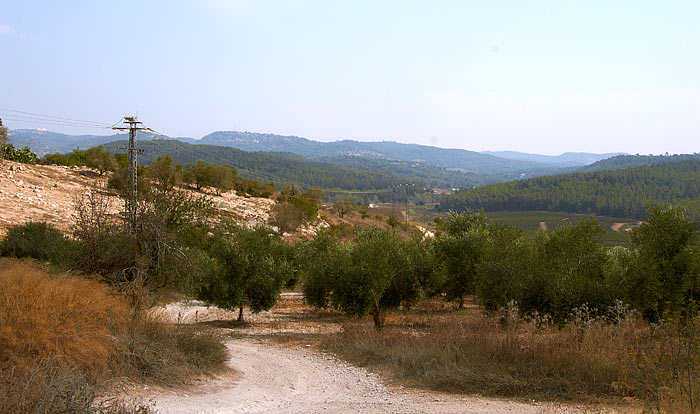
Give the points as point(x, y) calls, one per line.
point(240, 314)
point(461, 302)
point(378, 317)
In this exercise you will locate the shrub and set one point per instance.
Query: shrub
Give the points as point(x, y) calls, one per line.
point(253, 267)
point(286, 216)
point(469, 352)
point(38, 240)
point(43, 317)
point(155, 350)
point(23, 155)
point(378, 277)
point(62, 338)
point(45, 388)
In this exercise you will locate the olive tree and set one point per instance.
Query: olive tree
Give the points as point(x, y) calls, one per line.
point(378, 279)
point(324, 261)
point(165, 173)
point(504, 265)
point(100, 159)
point(665, 274)
point(459, 251)
point(567, 271)
point(253, 269)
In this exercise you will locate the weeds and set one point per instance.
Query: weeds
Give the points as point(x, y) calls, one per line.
point(63, 339)
point(157, 351)
point(507, 355)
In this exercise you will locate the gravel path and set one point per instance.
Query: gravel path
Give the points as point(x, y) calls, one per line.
point(273, 379)
point(270, 378)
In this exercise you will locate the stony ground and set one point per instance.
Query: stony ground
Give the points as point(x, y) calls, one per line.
point(48, 193)
point(269, 375)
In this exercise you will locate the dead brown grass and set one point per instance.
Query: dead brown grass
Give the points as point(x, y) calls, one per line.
point(69, 319)
point(467, 352)
point(64, 339)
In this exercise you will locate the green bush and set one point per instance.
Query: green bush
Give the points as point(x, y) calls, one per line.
point(38, 240)
point(23, 155)
point(251, 267)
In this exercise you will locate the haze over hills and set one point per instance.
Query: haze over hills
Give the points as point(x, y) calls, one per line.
point(510, 166)
point(567, 159)
point(283, 169)
point(466, 161)
point(44, 142)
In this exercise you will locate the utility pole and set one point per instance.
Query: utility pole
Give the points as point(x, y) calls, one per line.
point(130, 201)
point(406, 192)
point(405, 189)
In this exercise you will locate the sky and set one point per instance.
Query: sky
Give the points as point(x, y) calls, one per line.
point(534, 76)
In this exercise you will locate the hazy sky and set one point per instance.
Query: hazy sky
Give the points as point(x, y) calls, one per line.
point(535, 76)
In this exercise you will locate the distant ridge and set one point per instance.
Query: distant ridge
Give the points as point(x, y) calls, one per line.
point(567, 159)
point(621, 192)
point(491, 168)
point(627, 161)
point(467, 161)
point(284, 168)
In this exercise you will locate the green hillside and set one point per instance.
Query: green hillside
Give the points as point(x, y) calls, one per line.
point(433, 176)
point(628, 161)
point(617, 193)
point(282, 169)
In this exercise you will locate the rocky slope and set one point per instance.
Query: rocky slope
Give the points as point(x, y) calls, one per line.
point(49, 193)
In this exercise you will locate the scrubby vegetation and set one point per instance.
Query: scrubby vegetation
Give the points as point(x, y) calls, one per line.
point(23, 155)
point(162, 173)
point(549, 303)
point(64, 338)
point(528, 357)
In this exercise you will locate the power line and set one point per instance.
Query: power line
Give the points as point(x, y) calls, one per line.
point(23, 118)
point(54, 117)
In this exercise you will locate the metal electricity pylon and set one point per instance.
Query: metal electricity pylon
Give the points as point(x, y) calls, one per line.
point(130, 201)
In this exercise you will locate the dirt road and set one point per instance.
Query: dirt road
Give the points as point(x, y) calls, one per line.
point(272, 379)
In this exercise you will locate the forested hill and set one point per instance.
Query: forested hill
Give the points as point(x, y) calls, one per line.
point(509, 166)
point(360, 173)
point(433, 176)
point(48, 142)
point(467, 161)
point(619, 193)
point(627, 161)
point(282, 169)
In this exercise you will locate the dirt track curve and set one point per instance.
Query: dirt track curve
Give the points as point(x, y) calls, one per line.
point(273, 379)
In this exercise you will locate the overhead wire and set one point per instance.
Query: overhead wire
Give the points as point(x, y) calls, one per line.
point(49, 122)
point(33, 117)
point(53, 116)
point(24, 118)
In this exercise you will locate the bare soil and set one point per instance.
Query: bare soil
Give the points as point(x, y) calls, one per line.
point(48, 193)
point(279, 369)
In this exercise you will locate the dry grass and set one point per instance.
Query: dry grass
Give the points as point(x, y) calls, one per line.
point(157, 351)
point(468, 352)
point(64, 339)
point(71, 320)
